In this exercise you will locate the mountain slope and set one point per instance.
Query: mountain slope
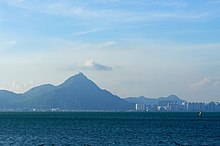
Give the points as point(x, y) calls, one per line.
point(37, 96)
point(9, 100)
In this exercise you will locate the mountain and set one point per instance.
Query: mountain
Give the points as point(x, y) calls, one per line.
point(76, 93)
point(9, 100)
point(142, 100)
point(37, 96)
point(154, 101)
point(173, 98)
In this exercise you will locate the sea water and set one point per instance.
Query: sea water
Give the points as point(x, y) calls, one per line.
point(109, 128)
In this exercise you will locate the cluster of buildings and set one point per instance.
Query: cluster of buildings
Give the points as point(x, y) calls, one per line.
point(171, 106)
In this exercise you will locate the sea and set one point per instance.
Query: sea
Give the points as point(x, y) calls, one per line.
point(108, 128)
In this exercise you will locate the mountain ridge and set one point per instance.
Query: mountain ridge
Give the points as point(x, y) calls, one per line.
point(154, 101)
point(76, 93)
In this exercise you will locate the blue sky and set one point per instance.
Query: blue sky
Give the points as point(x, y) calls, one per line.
point(129, 47)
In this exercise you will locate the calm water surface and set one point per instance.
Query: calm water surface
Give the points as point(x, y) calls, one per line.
point(109, 128)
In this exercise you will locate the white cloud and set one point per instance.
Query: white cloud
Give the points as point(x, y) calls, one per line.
point(87, 65)
point(87, 10)
point(106, 44)
point(54, 8)
point(92, 65)
point(208, 81)
point(87, 32)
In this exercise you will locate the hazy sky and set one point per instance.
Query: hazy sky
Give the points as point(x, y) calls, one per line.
point(129, 47)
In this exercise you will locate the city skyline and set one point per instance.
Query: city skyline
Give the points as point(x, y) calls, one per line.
point(131, 48)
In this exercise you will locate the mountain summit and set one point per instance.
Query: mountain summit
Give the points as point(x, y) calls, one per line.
point(79, 81)
point(78, 77)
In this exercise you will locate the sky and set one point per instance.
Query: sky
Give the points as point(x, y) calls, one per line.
point(151, 48)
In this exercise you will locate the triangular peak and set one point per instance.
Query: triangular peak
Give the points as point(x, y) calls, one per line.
point(78, 80)
point(80, 74)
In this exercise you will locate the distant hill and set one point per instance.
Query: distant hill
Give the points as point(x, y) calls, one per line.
point(153, 101)
point(9, 100)
point(76, 93)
